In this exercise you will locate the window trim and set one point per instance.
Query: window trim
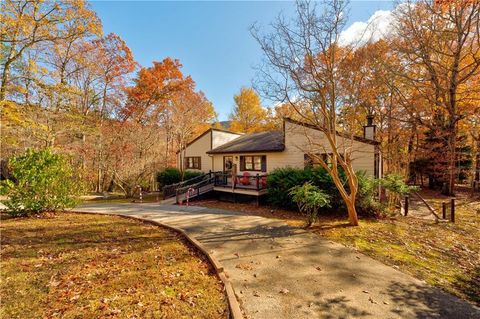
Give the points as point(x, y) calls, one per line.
point(243, 165)
point(196, 162)
point(308, 160)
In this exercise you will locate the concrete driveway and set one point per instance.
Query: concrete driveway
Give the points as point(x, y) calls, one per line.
point(282, 272)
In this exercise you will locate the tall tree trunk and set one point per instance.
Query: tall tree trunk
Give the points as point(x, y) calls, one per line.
point(5, 75)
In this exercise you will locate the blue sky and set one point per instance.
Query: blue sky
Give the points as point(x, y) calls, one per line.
point(211, 39)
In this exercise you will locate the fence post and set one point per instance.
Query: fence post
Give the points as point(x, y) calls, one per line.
point(452, 210)
point(258, 182)
point(444, 210)
point(406, 205)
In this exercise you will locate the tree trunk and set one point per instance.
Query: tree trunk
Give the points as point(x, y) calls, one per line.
point(451, 162)
point(5, 74)
point(352, 212)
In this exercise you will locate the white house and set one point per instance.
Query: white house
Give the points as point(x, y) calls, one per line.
point(253, 156)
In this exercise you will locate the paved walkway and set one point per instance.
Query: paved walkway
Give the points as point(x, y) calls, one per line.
point(282, 272)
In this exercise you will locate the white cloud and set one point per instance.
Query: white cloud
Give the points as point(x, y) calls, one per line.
point(377, 27)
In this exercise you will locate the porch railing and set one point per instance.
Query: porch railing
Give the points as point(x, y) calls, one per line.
point(170, 190)
point(255, 182)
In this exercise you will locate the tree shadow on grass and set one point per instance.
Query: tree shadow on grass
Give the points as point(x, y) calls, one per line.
point(469, 284)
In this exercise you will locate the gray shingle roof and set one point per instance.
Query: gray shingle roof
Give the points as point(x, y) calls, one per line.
point(251, 143)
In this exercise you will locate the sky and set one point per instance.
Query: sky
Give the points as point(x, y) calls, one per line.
point(211, 39)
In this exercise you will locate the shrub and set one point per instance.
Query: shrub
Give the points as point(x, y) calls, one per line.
point(191, 174)
point(172, 175)
point(279, 183)
point(367, 202)
point(396, 187)
point(169, 175)
point(44, 181)
point(309, 200)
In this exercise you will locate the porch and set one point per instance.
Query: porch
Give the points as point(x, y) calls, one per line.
point(246, 184)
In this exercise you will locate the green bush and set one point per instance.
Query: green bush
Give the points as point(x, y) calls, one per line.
point(395, 186)
point(172, 175)
point(280, 181)
point(367, 203)
point(44, 181)
point(309, 200)
point(191, 174)
point(168, 176)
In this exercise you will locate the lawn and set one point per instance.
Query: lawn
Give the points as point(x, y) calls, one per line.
point(445, 255)
point(92, 266)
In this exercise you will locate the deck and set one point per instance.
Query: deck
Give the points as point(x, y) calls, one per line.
point(240, 190)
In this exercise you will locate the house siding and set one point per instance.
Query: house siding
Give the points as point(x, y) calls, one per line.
point(219, 138)
point(297, 144)
point(199, 148)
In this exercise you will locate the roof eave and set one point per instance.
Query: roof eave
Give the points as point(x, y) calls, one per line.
point(246, 152)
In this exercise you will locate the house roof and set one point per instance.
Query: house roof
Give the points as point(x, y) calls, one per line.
point(342, 134)
point(272, 141)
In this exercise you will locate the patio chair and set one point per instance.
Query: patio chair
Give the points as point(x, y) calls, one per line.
point(245, 180)
point(263, 182)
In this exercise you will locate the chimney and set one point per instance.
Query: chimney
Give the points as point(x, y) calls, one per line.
point(370, 128)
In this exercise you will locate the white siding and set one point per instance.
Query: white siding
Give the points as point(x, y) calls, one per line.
point(199, 148)
point(274, 160)
point(219, 137)
point(300, 140)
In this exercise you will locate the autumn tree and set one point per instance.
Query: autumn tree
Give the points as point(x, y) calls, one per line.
point(191, 113)
point(439, 54)
point(30, 24)
point(248, 115)
point(150, 97)
point(302, 59)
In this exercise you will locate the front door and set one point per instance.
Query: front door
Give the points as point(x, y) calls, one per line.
point(227, 168)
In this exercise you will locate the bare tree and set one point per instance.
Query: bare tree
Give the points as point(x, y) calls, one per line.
point(300, 69)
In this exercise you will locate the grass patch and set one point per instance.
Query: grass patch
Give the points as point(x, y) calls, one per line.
point(445, 255)
point(92, 266)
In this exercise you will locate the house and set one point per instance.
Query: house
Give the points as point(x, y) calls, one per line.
point(253, 156)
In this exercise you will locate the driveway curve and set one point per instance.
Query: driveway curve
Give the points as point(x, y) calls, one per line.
point(278, 271)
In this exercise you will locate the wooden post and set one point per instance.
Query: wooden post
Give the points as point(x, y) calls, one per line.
point(258, 183)
point(452, 210)
point(444, 210)
point(406, 205)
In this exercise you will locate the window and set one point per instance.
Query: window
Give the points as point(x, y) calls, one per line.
point(253, 163)
point(193, 162)
point(312, 160)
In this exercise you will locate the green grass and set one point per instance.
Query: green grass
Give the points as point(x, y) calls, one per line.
point(92, 266)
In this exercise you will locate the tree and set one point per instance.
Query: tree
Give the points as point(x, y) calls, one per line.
point(27, 24)
point(191, 113)
point(149, 99)
point(438, 49)
point(248, 115)
point(43, 181)
point(302, 59)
